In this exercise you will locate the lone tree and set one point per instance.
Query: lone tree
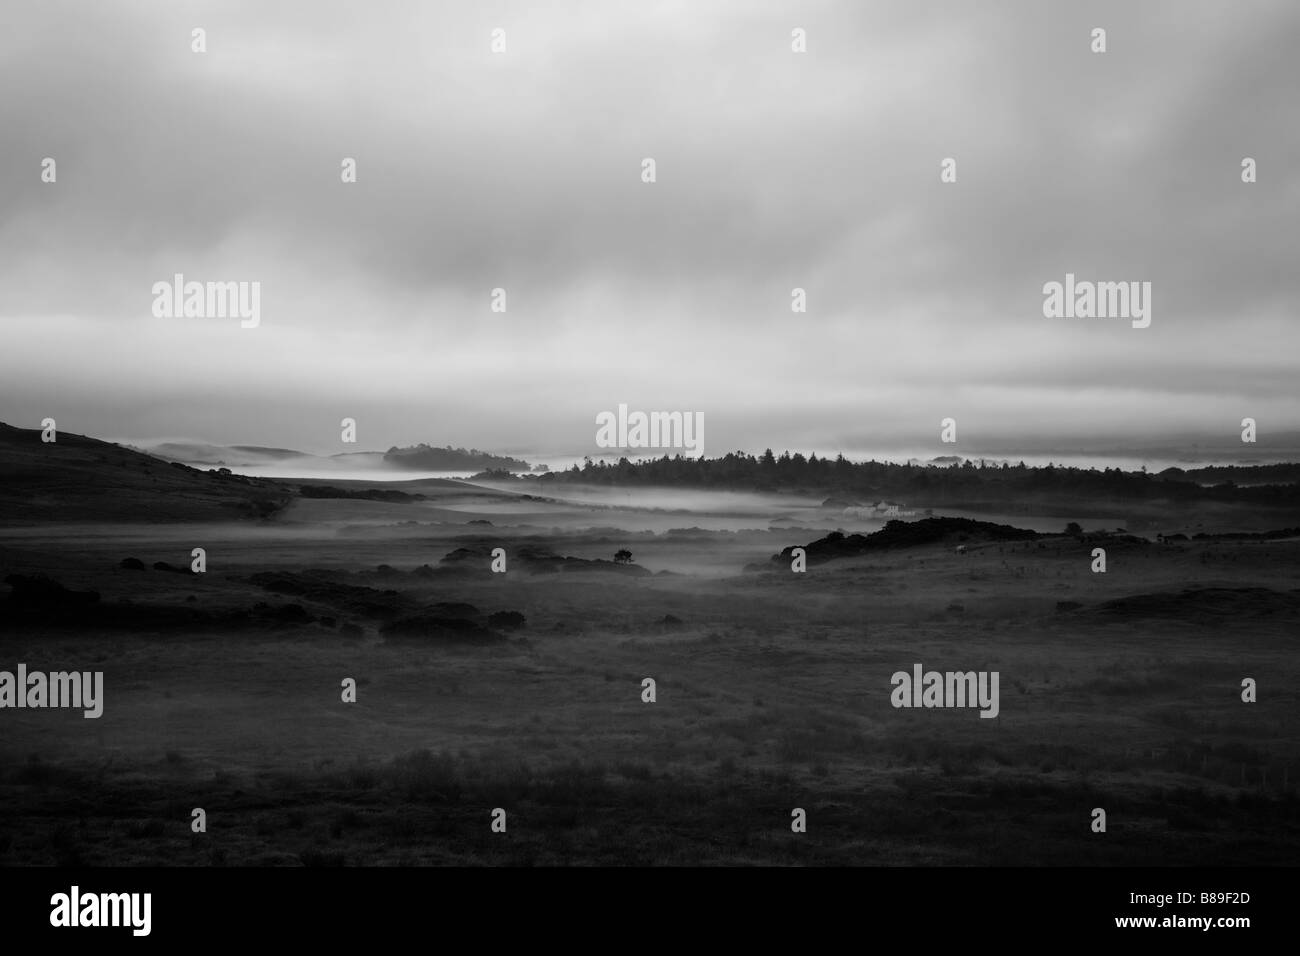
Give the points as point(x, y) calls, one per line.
point(623, 556)
point(1073, 529)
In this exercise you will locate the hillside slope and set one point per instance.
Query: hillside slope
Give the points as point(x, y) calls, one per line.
point(83, 479)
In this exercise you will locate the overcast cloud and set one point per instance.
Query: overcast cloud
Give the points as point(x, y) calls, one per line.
point(775, 170)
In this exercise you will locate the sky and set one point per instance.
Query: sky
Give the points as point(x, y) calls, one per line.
point(775, 170)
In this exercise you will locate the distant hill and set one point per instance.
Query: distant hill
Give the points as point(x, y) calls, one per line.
point(428, 458)
point(271, 462)
point(414, 458)
point(275, 452)
point(83, 479)
point(231, 456)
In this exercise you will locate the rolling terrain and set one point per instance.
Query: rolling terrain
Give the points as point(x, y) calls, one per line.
point(523, 690)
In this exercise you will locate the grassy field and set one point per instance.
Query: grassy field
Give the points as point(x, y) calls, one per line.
point(773, 692)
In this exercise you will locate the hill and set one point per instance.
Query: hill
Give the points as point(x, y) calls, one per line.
point(429, 458)
point(83, 479)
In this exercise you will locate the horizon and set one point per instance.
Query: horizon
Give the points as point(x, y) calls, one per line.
point(1127, 459)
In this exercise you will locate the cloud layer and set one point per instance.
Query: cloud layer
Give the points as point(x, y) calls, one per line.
point(775, 170)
